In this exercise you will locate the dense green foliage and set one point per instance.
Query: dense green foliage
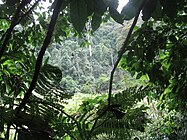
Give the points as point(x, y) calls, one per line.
point(87, 69)
point(67, 93)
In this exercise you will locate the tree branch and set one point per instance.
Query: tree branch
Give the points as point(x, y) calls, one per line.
point(38, 64)
point(29, 11)
point(8, 131)
point(122, 50)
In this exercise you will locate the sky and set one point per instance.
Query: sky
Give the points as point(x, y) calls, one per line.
point(122, 3)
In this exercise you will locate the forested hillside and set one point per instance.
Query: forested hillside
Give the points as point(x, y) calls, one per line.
point(81, 70)
point(86, 62)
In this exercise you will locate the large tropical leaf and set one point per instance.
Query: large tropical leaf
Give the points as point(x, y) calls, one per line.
point(130, 10)
point(78, 14)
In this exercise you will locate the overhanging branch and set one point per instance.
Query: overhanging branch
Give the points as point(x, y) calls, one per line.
point(122, 50)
